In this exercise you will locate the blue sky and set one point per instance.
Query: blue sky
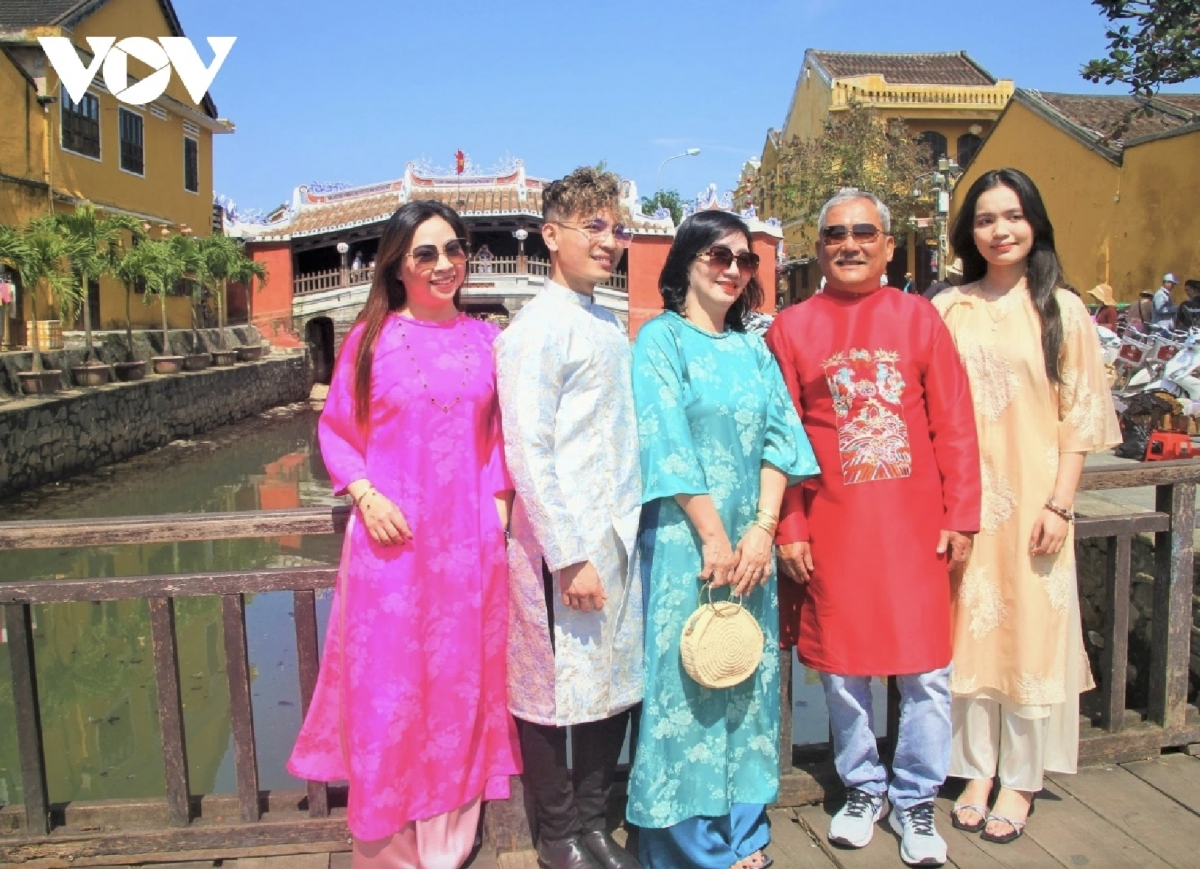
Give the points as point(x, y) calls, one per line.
point(352, 91)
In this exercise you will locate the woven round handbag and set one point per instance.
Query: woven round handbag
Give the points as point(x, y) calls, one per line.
point(722, 643)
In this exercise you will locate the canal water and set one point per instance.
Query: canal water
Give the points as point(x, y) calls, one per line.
point(95, 668)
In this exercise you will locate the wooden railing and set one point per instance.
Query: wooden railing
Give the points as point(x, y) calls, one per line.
point(312, 820)
point(336, 279)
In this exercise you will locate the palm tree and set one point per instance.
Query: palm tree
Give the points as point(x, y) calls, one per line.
point(220, 253)
point(132, 266)
point(94, 240)
point(38, 252)
point(225, 261)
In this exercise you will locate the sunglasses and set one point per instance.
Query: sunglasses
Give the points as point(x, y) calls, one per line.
point(597, 228)
point(864, 233)
point(723, 258)
point(426, 256)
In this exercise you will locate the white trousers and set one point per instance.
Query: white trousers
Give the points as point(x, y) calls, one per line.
point(989, 739)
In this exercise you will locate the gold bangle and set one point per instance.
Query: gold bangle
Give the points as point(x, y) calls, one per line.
point(769, 527)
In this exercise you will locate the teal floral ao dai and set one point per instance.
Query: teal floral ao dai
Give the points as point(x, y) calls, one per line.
point(711, 409)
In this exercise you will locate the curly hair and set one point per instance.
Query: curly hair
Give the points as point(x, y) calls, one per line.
point(585, 191)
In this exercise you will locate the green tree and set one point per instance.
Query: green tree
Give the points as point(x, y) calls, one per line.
point(1150, 43)
point(225, 260)
point(164, 264)
point(857, 148)
point(133, 267)
point(38, 252)
point(94, 241)
point(668, 199)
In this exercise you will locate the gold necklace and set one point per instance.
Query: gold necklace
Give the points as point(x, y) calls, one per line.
point(412, 358)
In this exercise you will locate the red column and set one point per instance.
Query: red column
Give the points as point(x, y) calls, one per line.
point(271, 300)
point(646, 258)
point(765, 246)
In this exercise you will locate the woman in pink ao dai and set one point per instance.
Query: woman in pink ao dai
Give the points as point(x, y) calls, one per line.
point(411, 705)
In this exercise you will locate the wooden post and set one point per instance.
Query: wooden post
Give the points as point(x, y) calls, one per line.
point(1114, 660)
point(19, 623)
point(1170, 639)
point(893, 715)
point(170, 710)
point(237, 669)
point(304, 607)
point(785, 710)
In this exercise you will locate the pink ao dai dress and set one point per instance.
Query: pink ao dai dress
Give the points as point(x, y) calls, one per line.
point(411, 704)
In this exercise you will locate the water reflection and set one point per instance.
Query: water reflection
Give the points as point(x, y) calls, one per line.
point(95, 669)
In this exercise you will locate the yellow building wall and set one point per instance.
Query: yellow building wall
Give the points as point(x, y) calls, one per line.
point(158, 194)
point(1077, 184)
point(1157, 226)
point(810, 106)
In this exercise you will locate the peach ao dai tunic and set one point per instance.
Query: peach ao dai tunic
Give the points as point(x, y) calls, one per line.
point(1017, 633)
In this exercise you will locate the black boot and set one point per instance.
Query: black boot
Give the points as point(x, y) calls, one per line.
point(608, 853)
point(569, 853)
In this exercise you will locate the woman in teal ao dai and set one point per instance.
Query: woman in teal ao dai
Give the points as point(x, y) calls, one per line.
point(720, 441)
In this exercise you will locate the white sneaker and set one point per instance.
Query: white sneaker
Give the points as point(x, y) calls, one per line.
point(920, 844)
point(854, 824)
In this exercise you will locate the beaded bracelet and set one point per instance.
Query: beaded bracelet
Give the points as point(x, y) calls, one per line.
point(1060, 512)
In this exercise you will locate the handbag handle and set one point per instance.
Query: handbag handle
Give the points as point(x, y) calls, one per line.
point(708, 586)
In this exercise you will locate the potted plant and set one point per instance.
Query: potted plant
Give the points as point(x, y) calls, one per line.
point(131, 267)
point(161, 271)
point(37, 253)
point(225, 261)
point(93, 242)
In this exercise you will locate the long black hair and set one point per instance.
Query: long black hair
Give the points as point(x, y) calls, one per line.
point(387, 292)
point(1043, 271)
point(695, 235)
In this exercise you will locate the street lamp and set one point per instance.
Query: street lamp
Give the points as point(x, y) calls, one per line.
point(520, 234)
point(944, 178)
point(690, 152)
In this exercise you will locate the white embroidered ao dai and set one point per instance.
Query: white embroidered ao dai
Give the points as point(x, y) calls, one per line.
point(570, 438)
point(1017, 633)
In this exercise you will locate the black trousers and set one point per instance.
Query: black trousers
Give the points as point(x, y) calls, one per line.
point(567, 802)
point(562, 801)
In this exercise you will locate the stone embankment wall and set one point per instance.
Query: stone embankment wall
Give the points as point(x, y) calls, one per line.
point(1093, 560)
point(50, 438)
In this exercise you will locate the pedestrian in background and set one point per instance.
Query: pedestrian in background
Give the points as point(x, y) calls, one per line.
point(1038, 380)
point(1106, 315)
point(411, 702)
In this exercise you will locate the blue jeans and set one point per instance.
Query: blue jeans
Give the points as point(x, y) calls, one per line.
point(922, 757)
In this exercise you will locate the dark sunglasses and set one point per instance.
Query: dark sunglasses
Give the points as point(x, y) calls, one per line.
point(864, 233)
point(723, 258)
point(426, 256)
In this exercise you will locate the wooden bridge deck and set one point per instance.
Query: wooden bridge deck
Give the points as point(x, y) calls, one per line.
point(1144, 814)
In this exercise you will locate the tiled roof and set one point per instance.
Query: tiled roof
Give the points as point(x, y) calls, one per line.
point(1191, 102)
point(19, 14)
point(944, 68)
point(482, 200)
point(1093, 118)
point(348, 212)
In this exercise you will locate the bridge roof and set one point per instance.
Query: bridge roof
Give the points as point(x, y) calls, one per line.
point(510, 193)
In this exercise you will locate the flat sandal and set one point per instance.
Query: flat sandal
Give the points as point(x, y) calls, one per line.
point(1018, 827)
point(982, 811)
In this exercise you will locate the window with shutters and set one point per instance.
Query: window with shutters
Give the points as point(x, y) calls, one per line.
point(133, 150)
point(81, 125)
